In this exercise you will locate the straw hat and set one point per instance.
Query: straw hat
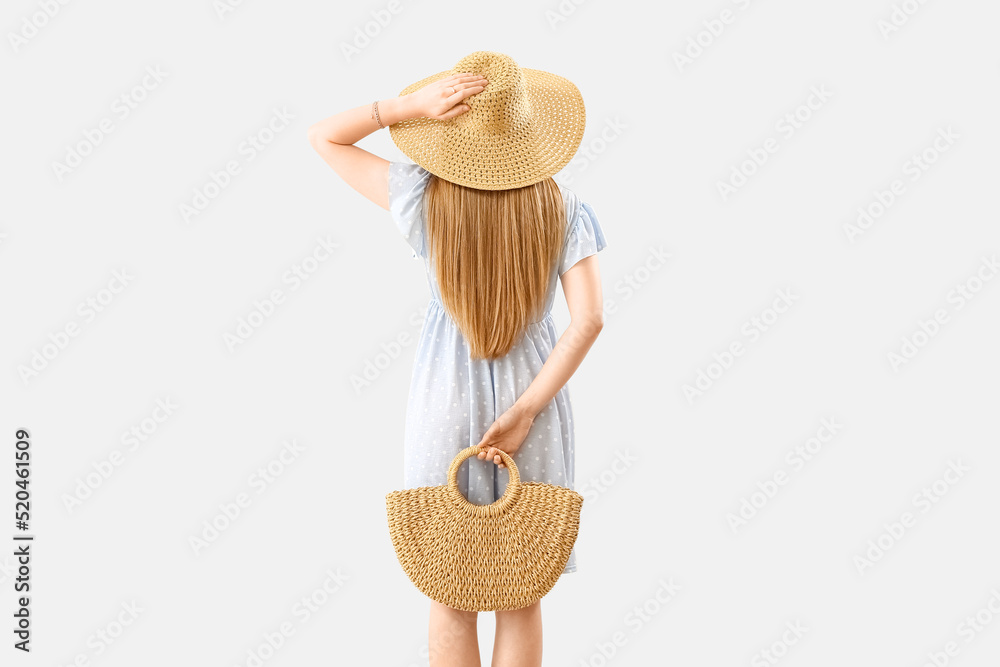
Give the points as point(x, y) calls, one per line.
point(523, 127)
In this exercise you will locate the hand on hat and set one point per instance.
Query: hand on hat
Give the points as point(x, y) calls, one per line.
point(443, 99)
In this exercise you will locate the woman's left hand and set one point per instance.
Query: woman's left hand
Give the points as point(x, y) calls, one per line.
point(442, 100)
point(506, 434)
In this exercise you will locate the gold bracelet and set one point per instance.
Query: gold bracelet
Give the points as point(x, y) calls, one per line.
point(375, 115)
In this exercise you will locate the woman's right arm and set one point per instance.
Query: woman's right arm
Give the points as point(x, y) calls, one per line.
point(582, 287)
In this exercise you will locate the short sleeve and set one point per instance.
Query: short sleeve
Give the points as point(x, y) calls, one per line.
point(583, 238)
point(407, 183)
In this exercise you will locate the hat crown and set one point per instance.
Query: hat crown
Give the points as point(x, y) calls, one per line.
point(524, 126)
point(503, 106)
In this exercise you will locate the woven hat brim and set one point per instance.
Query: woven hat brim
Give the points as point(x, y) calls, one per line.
point(495, 162)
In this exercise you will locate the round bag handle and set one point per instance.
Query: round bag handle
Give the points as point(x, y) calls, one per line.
point(509, 494)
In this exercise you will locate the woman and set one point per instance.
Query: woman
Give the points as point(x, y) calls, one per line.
point(494, 231)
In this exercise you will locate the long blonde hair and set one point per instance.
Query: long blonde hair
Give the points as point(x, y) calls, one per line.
point(493, 253)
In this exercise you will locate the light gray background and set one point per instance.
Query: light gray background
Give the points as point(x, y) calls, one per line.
point(659, 139)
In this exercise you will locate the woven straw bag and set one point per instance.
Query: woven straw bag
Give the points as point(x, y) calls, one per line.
point(505, 555)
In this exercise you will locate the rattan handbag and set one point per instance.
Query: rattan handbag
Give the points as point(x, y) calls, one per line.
point(501, 556)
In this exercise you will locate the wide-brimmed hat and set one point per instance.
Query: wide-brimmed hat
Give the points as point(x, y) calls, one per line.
point(523, 127)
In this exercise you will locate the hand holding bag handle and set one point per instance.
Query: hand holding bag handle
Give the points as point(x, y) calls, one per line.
point(497, 507)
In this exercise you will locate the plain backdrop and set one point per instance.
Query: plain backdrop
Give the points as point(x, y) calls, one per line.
point(786, 433)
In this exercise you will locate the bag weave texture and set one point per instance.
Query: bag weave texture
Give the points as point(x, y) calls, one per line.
point(506, 555)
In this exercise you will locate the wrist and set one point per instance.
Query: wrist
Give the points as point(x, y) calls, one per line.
point(394, 109)
point(524, 407)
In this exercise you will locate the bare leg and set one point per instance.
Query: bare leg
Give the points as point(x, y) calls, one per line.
point(452, 639)
point(518, 640)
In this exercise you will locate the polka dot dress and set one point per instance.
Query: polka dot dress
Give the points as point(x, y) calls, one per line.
point(454, 399)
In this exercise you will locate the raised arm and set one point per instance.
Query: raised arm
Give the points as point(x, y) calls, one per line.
point(334, 137)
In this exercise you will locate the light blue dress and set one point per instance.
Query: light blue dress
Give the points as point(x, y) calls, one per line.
point(454, 399)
